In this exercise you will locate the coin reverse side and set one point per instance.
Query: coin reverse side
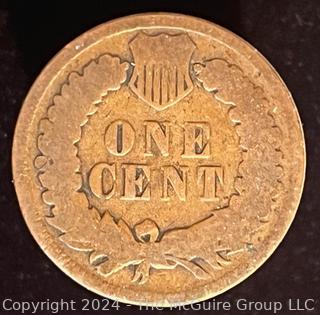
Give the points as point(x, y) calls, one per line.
point(158, 159)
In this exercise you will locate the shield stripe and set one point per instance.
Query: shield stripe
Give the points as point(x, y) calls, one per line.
point(180, 83)
point(171, 82)
point(148, 82)
point(160, 83)
point(164, 84)
point(156, 83)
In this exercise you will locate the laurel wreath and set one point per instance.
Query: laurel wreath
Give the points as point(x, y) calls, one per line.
point(109, 243)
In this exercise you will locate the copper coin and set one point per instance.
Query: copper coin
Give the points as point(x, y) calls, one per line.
point(158, 159)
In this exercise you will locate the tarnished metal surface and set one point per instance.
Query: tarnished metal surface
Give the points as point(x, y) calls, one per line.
point(158, 159)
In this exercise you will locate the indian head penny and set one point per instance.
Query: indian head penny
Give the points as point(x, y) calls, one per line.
point(158, 159)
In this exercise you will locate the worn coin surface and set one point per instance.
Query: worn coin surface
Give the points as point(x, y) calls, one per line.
point(158, 159)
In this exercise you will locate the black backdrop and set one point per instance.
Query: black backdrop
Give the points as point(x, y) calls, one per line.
point(287, 32)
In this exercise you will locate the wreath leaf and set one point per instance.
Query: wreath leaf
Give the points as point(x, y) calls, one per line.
point(97, 257)
point(72, 240)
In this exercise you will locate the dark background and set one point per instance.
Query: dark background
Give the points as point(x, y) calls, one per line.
point(287, 32)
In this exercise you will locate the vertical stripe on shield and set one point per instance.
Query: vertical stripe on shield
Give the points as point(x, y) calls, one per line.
point(160, 83)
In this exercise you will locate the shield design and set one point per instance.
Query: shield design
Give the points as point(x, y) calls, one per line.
point(161, 68)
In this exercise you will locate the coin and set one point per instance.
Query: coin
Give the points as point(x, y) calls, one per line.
point(158, 159)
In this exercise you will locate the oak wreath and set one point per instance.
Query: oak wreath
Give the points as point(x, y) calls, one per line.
point(90, 231)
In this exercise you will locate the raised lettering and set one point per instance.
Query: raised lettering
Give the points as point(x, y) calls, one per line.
point(157, 138)
point(174, 179)
point(119, 138)
point(135, 182)
point(102, 180)
point(196, 140)
point(209, 178)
